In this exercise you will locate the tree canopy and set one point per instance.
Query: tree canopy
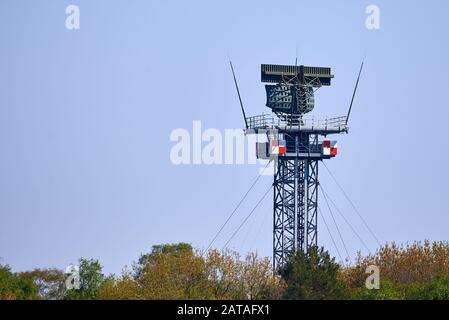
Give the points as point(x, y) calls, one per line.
point(312, 275)
point(179, 271)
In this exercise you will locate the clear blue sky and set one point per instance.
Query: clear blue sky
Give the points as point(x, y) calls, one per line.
point(85, 119)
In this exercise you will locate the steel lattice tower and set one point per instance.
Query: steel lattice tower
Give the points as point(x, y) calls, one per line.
point(296, 144)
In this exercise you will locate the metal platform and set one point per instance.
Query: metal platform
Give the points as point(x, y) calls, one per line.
point(310, 124)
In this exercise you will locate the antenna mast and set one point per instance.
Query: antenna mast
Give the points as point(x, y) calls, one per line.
point(238, 93)
point(353, 95)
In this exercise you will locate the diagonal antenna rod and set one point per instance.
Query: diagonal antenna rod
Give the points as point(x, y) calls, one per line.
point(238, 92)
point(353, 95)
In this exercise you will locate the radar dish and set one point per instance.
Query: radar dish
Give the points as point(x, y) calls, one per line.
point(290, 99)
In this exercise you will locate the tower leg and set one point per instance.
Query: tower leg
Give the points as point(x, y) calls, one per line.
point(284, 210)
point(295, 207)
point(312, 204)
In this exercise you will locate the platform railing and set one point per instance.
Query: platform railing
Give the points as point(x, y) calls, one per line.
point(267, 121)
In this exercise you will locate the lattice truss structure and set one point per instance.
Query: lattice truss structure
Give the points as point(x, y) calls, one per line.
point(290, 95)
point(295, 225)
point(296, 143)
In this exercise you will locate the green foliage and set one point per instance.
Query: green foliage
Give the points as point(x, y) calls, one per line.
point(174, 250)
point(172, 271)
point(230, 277)
point(436, 289)
point(414, 271)
point(314, 275)
point(387, 291)
point(15, 286)
point(178, 271)
point(91, 281)
point(410, 264)
point(50, 283)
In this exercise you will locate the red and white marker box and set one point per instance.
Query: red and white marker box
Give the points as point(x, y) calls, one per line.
point(278, 147)
point(329, 148)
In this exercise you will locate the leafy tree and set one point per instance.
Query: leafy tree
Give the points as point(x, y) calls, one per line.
point(414, 271)
point(173, 271)
point(50, 283)
point(314, 276)
point(91, 281)
point(14, 286)
point(387, 291)
point(252, 278)
point(174, 250)
point(177, 271)
point(436, 289)
point(410, 264)
point(224, 270)
point(122, 288)
point(258, 279)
